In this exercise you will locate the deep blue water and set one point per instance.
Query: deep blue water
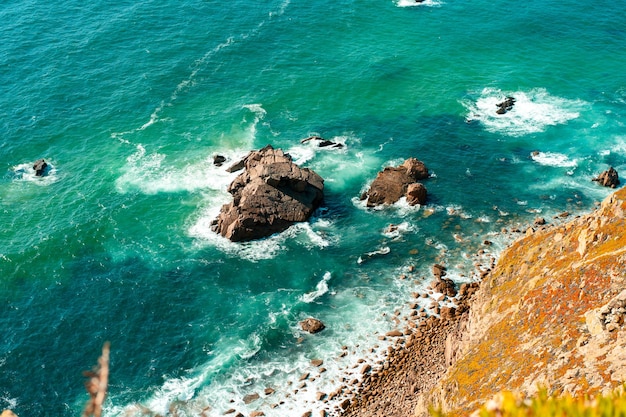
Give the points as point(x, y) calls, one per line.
point(129, 102)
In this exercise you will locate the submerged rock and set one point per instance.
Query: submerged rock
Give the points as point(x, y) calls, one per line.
point(271, 194)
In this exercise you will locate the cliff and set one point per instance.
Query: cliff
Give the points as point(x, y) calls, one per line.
point(550, 315)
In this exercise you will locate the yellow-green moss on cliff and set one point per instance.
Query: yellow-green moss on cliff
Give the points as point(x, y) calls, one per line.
point(540, 317)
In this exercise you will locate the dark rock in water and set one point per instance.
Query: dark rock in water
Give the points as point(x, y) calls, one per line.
point(312, 325)
point(608, 178)
point(322, 143)
point(218, 160)
point(271, 194)
point(392, 183)
point(237, 166)
point(506, 105)
point(40, 168)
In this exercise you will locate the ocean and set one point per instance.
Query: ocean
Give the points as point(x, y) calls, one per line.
point(129, 101)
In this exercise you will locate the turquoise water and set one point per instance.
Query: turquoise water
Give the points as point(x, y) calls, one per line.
point(130, 102)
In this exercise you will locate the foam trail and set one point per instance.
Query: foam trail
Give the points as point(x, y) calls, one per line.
point(534, 111)
point(414, 3)
point(320, 289)
point(382, 251)
point(197, 66)
point(553, 159)
point(26, 173)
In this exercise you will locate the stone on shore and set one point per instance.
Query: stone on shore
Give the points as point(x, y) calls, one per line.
point(392, 183)
point(270, 195)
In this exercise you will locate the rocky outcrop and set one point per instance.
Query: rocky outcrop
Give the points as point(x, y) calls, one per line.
point(312, 325)
point(218, 160)
point(506, 105)
point(40, 167)
point(322, 143)
point(551, 314)
point(608, 178)
point(271, 194)
point(393, 183)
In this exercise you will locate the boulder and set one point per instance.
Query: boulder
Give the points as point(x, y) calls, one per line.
point(218, 160)
point(416, 194)
point(608, 178)
point(312, 325)
point(40, 167)
point(439, 270)
point(322, 143)
point(249, 398)
point(271, 194)
point(392, 183)
point(444, 286)
point(506, 105)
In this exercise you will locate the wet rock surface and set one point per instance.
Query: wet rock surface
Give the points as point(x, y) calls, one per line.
point(393, 183)
point(270, 195)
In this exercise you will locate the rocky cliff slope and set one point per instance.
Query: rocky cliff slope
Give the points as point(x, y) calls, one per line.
point(550, 315)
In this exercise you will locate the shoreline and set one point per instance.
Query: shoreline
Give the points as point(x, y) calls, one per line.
point(429, 346)
point(414, 364)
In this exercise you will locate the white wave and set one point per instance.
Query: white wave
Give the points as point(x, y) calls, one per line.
point(26, 173)
point(618, 146)
point(382, 251)
point(553, 159)
point(304, 152)
point(534, 111)
point(304, 233)
point(359, 316)
point(394, 231)
point(457, 210)
point(413, 3)
point(9, 403)
point(185, 388)
point(259, 114)
point(150, 174)
point(320, 289)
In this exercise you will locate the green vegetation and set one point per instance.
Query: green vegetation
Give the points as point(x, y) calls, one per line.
point(507, 404)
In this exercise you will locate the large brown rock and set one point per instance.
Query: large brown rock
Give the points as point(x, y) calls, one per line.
point(271, 194)
point(416, 194)
point(392, 183)
point(608, 178)
point(312, 325)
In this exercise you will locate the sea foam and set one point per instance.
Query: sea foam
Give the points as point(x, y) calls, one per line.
point(25, 173)
point(413, 3)
point(534, 111)
point(553, 159)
